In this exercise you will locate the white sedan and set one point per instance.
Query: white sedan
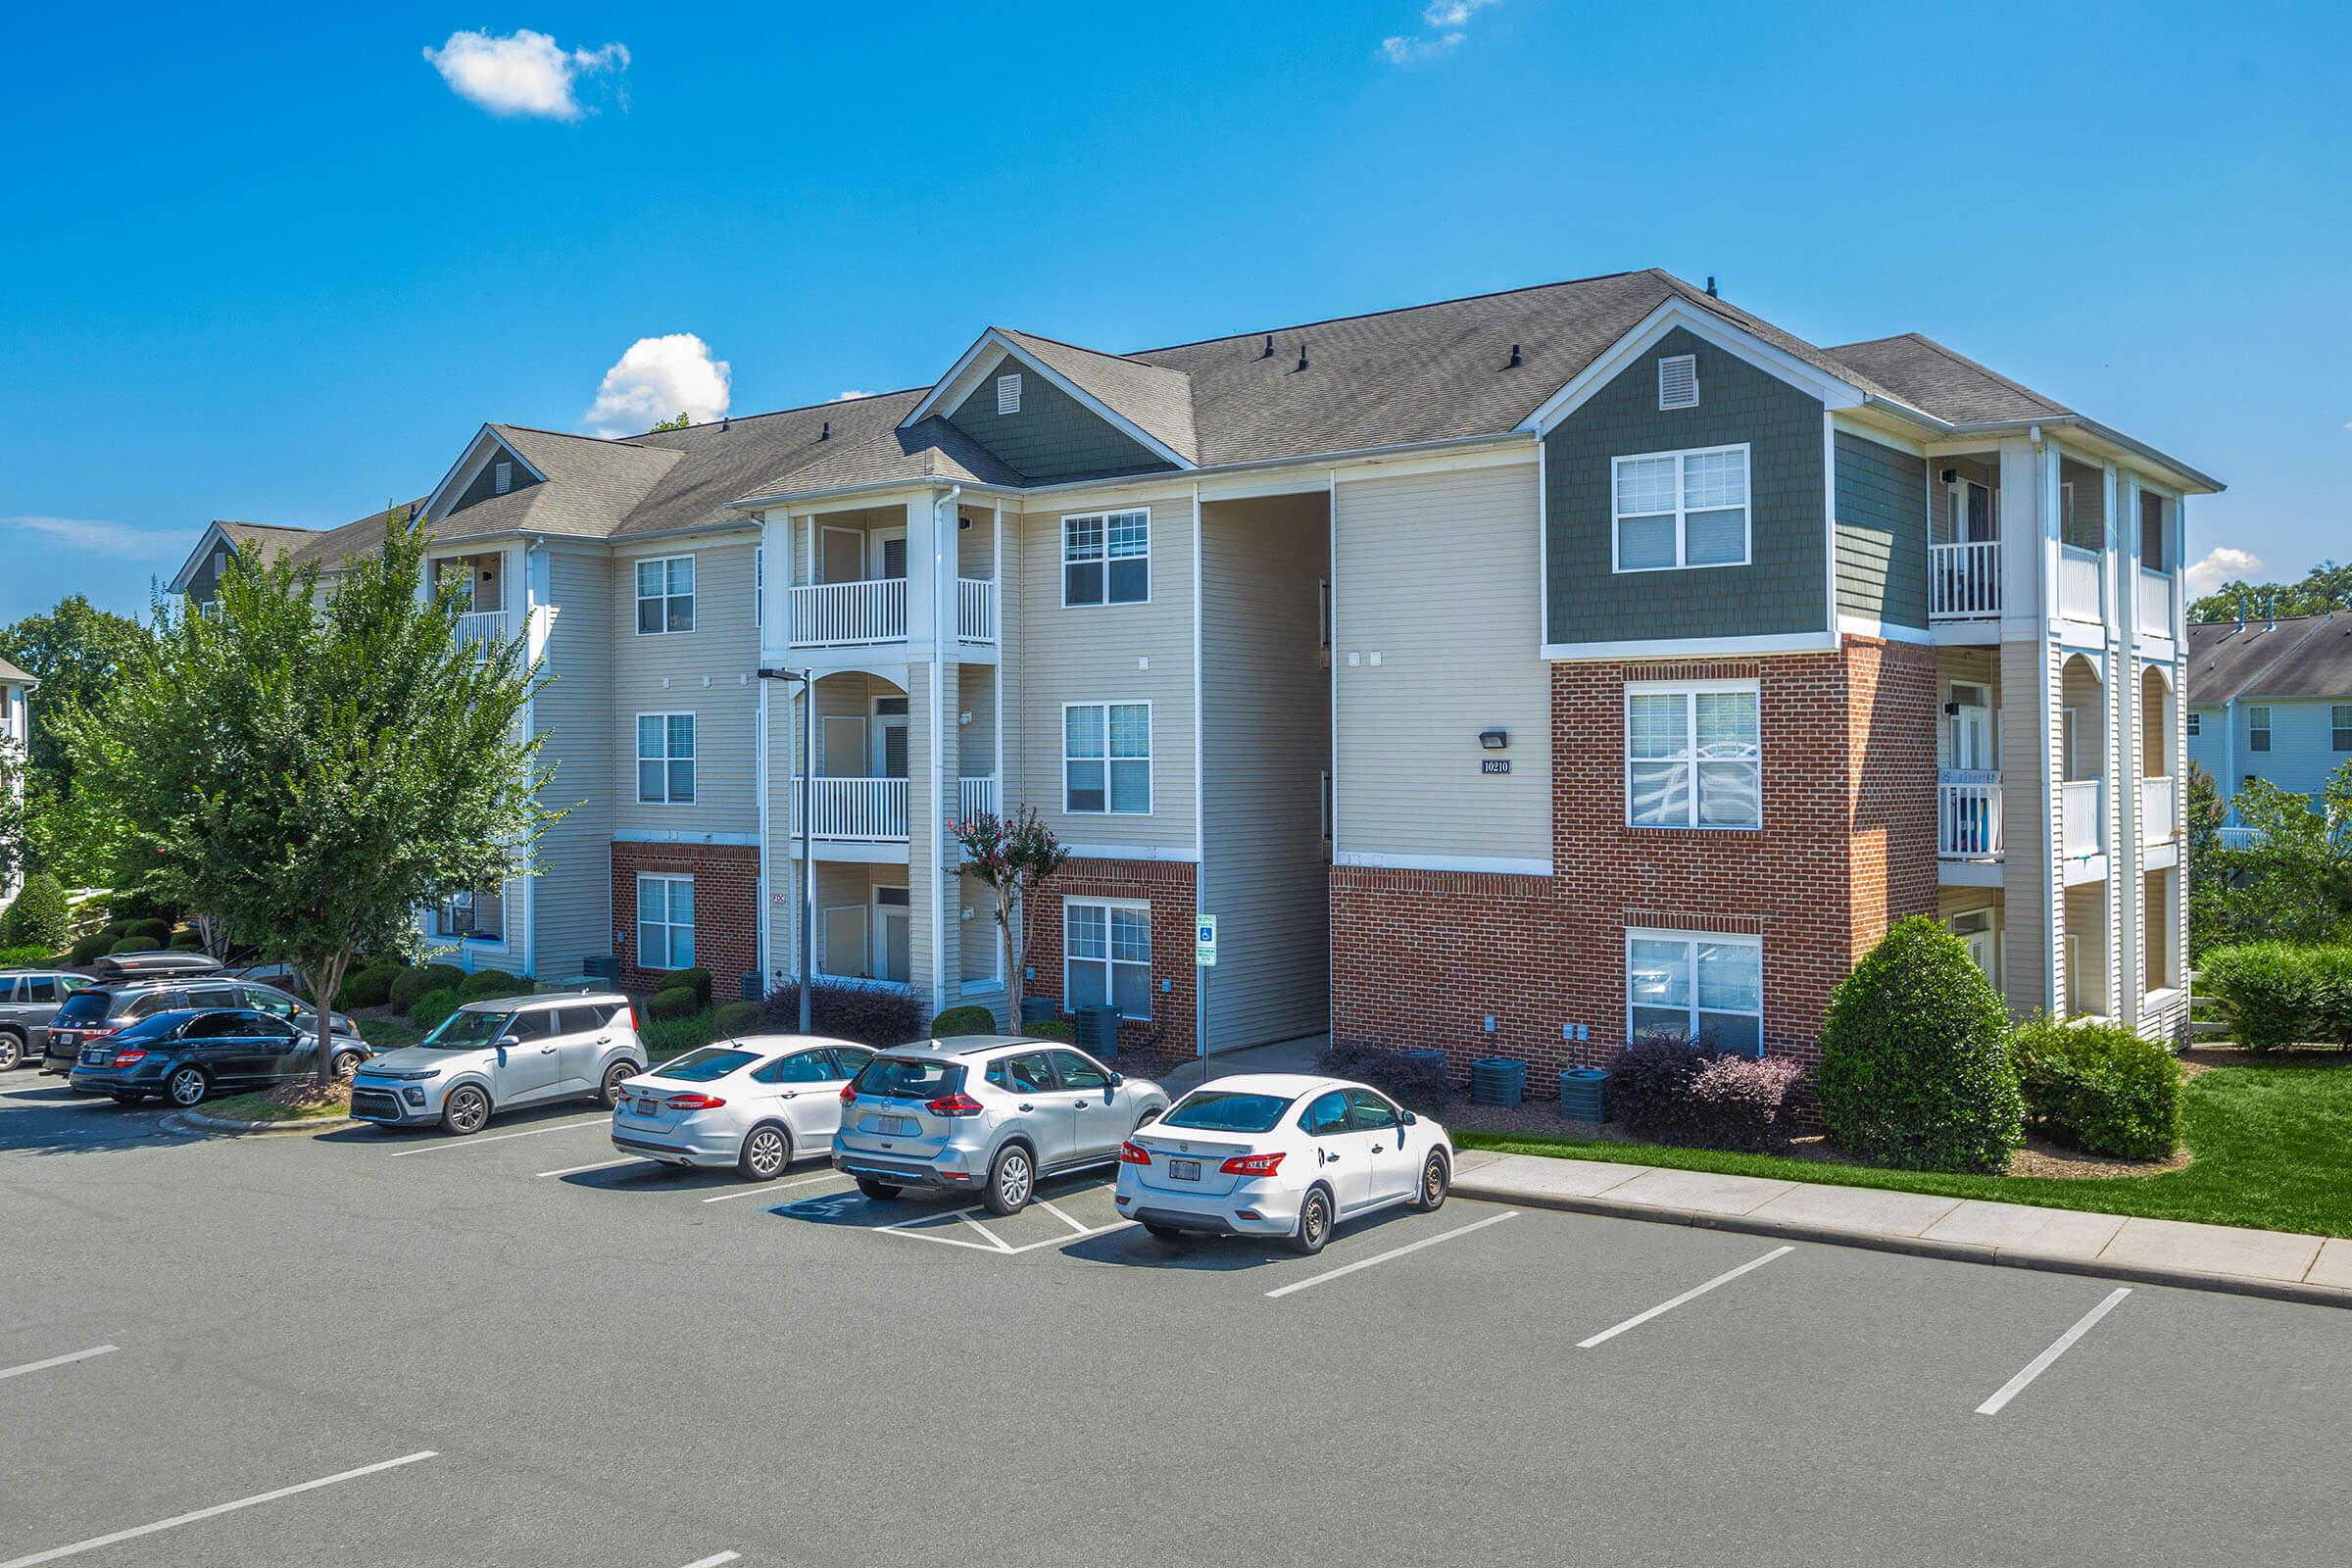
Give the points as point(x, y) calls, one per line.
point(756, 1103)
point(1280, 1155)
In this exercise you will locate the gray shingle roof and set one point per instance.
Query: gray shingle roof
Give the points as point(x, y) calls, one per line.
point(10, 672)
point(1926, 374)
point(2297, 655)
point(267, 534)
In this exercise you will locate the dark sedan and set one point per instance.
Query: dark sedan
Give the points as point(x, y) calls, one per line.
point(185, 1055)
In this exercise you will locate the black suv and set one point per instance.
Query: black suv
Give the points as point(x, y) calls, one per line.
point(103, 1011)
point(183, 1056)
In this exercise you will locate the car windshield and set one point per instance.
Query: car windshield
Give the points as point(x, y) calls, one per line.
point(1226, 1110)
point(909, 1078)
point(467, 1031)
point(158, 1026)
point(701, 1066)
point(84, 1006)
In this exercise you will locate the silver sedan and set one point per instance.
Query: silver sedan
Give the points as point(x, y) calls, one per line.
point(756, 1103)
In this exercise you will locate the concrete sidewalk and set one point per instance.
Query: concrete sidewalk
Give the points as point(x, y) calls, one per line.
point(2156, 1252)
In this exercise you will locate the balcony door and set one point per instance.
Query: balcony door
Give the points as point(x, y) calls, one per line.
point(840, 555)
point(1971, 730)
point(889, 738)
point(894, 935)
point(889, 554)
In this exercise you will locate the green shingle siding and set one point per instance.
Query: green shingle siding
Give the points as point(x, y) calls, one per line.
point(1783, 587)
point(1053, 436)
point(1882, 532)
point(485, 483)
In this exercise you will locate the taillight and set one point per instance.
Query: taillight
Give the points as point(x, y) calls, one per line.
point(1251, 1165)
point(124, 1059)
point(1134, 1155)
point(955, 1105)
point(695, 1101)
point(848, 1092)
point(100, 1034)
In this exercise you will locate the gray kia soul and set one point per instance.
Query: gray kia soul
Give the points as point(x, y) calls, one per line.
point(499, 1054)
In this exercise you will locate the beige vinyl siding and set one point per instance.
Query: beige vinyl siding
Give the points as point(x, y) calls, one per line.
point(712, 672)
point(571, 899)
point(981, 946)
point(1436, 576)
point(1090, 654)
point(1266, 733)
point(976, 752)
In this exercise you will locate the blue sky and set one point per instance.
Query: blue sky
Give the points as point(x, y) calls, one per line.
point(277, 266)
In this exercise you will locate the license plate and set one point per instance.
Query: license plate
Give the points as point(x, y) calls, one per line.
point(890, 1126)
point(1184, 1170)
point(649, 1107)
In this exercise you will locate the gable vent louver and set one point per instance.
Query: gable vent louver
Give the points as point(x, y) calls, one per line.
point(505, 479)
point(1677, 382)
point(1008, 394)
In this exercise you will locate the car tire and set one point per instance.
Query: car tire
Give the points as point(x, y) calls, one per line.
point(608, 1092)
point(1437, 1180)
point(766, 1151)
point(347, 1065)
point(1314, 1223)
point(1167, 1234)
point(878, 1190)
point(1011, 1180)
point(11, 1050)
point(127, 1099)
point(466, 1111)
point(186, 1088)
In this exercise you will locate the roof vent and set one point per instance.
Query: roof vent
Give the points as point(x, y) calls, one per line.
point(1677, 382)
point(723, 424)
point(1516, 361)
point(826, 434)
point(1710, 285)
point(1008, 393)
point(1270, 353)
point(1303, 355)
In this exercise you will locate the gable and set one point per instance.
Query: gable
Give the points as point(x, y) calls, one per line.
point(1052, 436)
point(484, 484)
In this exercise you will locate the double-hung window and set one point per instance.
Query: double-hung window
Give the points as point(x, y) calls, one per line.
point(1688, 985)
point(1107, 955)
point(1106, 557)
point(2258, 728)
point(665, 922)
point(1694, 755)
point(2339, 726)
point(665, 596)
point(1107, 758)
point(666, 758)
point(1680, 508)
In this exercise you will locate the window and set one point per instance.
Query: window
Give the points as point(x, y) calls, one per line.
point(1008, 393)
point(665, 596)
point(2258, 729)
point(2340, 725)
point(665, 922)
point(1693, 756)
point(800, 1067)
point(1107, 758)
point(1371, 1112)
point(1106, 557)
point(1677, 382)
point(1325, 1116)
point(1106, 956)
point(1079, 1073)
point(1028, 1073)
point(2194, 727)
point(504, 478)
point(1687, 986)
point(666, 758)
point(1680, 508)
point(472, 916)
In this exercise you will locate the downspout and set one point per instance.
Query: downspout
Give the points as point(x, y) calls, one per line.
point(760, 884)
point(944, 586)
point(530, 613)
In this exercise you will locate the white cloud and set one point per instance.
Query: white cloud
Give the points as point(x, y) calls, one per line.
point(524, 73)
point(2221, 564)
point(660, 378)
point(1409, 51)
point(849, 396)
point(1446, 20)
point(1453, 13)
point(116, 540)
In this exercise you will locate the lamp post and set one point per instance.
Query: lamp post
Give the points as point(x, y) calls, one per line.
point(804, 777)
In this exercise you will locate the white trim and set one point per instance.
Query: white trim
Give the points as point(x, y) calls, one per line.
point(1110, 964)
point(1199, 785)
point(1885, 630)
point(1739, 938)
point(638, 595)
point(650, 835)
point(1151, 786)
point(1682, 509)
point(637, 757)
point(1103, 515)
point(638, 921)
point(1129, 851)
point(188, 569)
point(1852, 427)
point(1689, 690)
point(1512, 864)
point(964, 378)
point(1490, 457)
point(1796, 642)
point(468, 466)
point(1707, 327)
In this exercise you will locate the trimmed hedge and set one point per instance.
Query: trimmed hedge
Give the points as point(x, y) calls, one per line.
point(34, 957)
point(413, 984)
point(2098, 1087)
point(1418, 1085)
point(673, 1037)
point(696, 980)
point(160, 930)
point(187, 942)
point(968, 1019)
point(91, 949)
point(492, 983)
point(678, 1001)
point(38, 916)
point(369, 985)
point(866, 1014)
point(1678, 1094)
point(136, 945)
point(736, 1018)
point(2273, 994)
point(1063, 1029)
point(430, 1010)
point(1915, 1068)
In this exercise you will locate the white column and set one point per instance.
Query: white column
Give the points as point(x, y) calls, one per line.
point(2124, 860)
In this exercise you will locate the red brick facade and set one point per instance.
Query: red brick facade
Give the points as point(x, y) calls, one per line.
point(727, 910)
point(1847, 847)
point(1170, 887)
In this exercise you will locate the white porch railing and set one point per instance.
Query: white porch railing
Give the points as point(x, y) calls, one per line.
point(1968, 813)
point(974, 796)
point(486, 628)
point(2079, 597)
point(1964, 580)
point(2237, 837)
point(835, 615)
point(2085, 816)
point(2156, 601)
point(2159, 809)
point(873, 810)
point(975, 610)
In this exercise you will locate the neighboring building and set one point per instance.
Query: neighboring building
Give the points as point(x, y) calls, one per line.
point(16, 737)
point(1513, 673)
point(2271, 700)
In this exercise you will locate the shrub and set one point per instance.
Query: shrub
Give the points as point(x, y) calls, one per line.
point(136, 945)
point(187, 942)
point(431, 1010)
point(670, 1037)
point(1419, 1085)
point(696, 980)
point(735, 1018)
point(90, 949)
point(968, 1019)
point(412, 984)
point(1061, 1029)
point(2273, 994)
point(678, 1001)
point(34, 957)
point(492, 983)
point(369, 986)
point(858, 1010)
point(2099, 1088)
point(38, 916)
point(159, 930)
point(1673, 1092)
point(1915, 1067)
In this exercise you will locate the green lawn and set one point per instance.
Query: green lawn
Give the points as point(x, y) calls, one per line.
point(257, 1107)
point(2273, 1146)
point(388, 1034)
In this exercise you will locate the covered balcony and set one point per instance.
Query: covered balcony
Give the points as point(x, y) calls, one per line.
point(849, 587)
point(1968, 771)
point(479, 580)
point(1964, 540)
point(2083, 805)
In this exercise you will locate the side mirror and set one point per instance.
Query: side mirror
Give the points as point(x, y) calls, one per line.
point(1411, 1120)
point(509, 1042)
point(1117, 1078)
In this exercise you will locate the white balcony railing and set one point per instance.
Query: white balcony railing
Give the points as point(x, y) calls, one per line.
point(2084, 816)
point(1964, 580)
point(867, 810)
point(2159, 809)
point(975, 610)
point(846, 615)
point(2078, 596)
point(485, 628)
point(2155, 603)
point(975, 797)
point(1968, 813)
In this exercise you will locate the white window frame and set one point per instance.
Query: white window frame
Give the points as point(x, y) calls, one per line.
point(692, 759)
point(1693, 939)
point(1110, 965)
point(1682, 512)
point(1690, 692)
point(445, 923)
point(1665, 360)
point(2263, 729)
point(667, 925)
point(1104, 557)
point(2196, 723)
point(2339, 721)
point(1107, 758)
point(640, 596)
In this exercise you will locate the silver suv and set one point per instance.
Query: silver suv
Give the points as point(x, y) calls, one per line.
point(499, 1054)
point(987, 1114)
point(29, 999)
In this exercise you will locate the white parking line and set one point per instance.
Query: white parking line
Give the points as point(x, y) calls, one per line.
point(1077, 1225)
point(1691, 1295)
point(1064, 1240)
point(601, 1164)
point(773, 1187)
point(497, 1137)
point(2065, 1342)
point(900, 1228)
point(715, 1560)
point(218, 1508)
point(1391, 1253)
point(57, 1360)
point(996, 1240)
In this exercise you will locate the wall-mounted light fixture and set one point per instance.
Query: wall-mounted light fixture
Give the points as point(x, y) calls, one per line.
point(1493, 740)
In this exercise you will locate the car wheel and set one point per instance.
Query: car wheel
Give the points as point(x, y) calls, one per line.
point(1164, 1233)
point(128, 1099)
point(12, 1052)
point(874, 1188)
point(1314, 1224)
point(610, 1089)
point(1436, 1181)
point(185, 1087)
point(346, 1066)
point(465, 1110)
point(766, 1151)
point(1011, 1179)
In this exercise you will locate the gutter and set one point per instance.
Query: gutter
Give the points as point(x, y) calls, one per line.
point(2200, 484)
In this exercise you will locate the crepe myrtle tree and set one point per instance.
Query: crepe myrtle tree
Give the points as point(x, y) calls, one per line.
point(1011, 855)
point(317, 759)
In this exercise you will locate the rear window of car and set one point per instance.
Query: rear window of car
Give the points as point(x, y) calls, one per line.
point(1226, 1110)
point(85, 1006)
point(158, 1027)
point(701, 1066)
point(904, 1078)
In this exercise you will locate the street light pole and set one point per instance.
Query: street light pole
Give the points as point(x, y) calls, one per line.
point(804, 777)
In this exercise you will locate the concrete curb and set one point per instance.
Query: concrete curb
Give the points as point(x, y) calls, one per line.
point(1468, 1185)
point(223, 1124)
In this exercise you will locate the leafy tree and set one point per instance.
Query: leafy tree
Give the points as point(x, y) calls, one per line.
point(316, 762)
point(2292, 879)
point(1012, 857)
point(678, 424)
point(2327, 586)
point(77, 651)
point(38, 917)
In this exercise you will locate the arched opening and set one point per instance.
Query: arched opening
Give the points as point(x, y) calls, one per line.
point(2082, 755)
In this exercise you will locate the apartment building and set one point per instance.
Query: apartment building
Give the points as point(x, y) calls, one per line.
point(1521, 674)
point(16, 737)
point(2271, 698)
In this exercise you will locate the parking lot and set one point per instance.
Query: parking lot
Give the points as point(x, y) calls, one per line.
point(519, 1348)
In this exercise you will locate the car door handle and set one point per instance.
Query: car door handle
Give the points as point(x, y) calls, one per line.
point(547, 1050)
point(1024, 1105)
point(1376, 1148)
point(604, 1040)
